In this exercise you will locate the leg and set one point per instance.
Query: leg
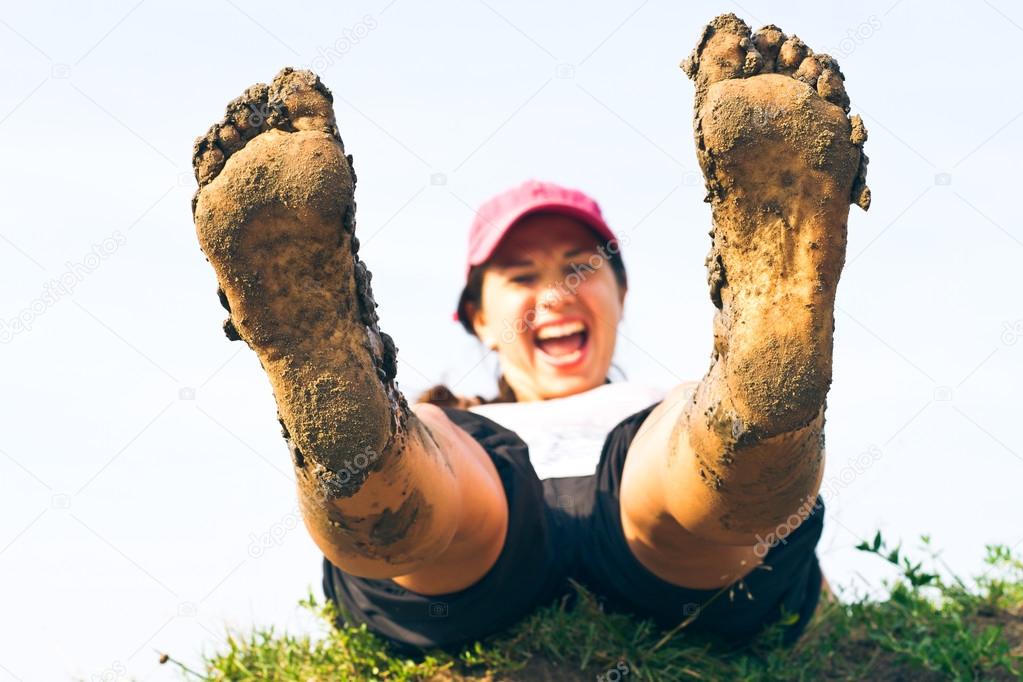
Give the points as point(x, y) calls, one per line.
point(385, 491)
point(720, 471)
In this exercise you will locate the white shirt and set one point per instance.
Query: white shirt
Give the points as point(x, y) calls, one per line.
point(565, 435)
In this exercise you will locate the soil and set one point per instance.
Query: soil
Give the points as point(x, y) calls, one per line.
point(782, 161)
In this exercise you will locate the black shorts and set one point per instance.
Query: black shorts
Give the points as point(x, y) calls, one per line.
point(566, 528)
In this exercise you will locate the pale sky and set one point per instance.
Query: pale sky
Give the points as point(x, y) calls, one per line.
point(147, 500)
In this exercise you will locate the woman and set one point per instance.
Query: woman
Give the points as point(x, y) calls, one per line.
point(699, 506)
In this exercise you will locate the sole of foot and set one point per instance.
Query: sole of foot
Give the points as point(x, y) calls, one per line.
point(782, 162)
point(275, 217)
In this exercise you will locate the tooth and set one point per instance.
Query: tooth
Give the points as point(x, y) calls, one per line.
point(559, 330)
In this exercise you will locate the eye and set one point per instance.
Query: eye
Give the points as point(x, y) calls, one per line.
point(524, 279)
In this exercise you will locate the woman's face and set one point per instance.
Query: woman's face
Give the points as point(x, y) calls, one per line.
point(550, 306)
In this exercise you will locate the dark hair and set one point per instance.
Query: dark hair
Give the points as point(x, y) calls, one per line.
point(472, 294)
point(442, 396)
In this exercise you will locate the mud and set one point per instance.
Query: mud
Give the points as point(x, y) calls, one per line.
point(384, 535)
point(782, 161)
point(390, 527)
point(275, 217)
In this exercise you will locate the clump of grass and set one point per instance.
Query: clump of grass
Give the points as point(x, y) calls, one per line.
point(929, 627)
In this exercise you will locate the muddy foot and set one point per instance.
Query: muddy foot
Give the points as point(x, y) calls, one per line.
point(275, 216)
point(782, 161)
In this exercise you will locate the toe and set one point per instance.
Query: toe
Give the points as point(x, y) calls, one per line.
point(768, 41)
point(229, 139)
point(207, 157)
point(753, 62)
point(859, 131)
point(230, 331)
point(724, 51)
point(809, 71)
point(249, 112)
point(831, 86)
point(303, 99)
point(860, 194)
point(791, 54)
point(223, 299)
point(862, 198)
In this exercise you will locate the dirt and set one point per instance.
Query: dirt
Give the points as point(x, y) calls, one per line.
point(782, 161)
point(275, 217)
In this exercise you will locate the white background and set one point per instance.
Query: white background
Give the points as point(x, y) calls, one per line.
point(140, 461)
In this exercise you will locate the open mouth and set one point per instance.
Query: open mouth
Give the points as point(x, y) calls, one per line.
point(562, 343)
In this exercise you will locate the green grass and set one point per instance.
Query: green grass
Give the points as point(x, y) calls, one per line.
point(929, 627)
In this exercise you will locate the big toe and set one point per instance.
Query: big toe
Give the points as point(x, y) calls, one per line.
point(301, 98)
point(725, 51)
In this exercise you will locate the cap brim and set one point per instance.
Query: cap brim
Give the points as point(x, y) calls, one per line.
point(483, 251)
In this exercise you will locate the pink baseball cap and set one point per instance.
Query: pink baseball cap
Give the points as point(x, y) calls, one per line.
point(498, 215)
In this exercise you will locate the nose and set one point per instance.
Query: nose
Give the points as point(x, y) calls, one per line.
point(550, 298)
